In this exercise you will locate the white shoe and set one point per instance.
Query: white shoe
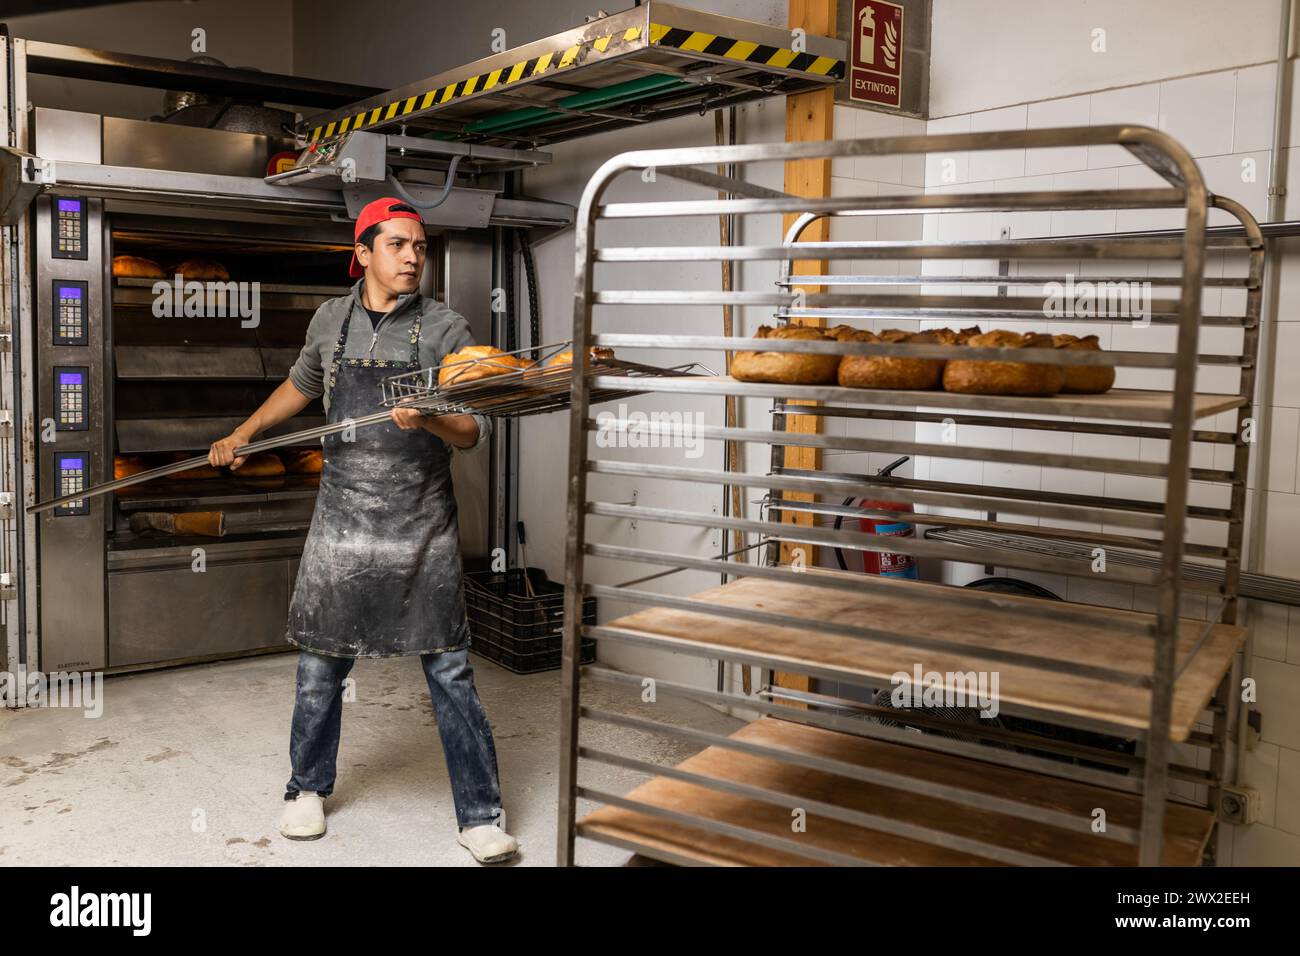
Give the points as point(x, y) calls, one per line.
point(488, 843)
point(303, 817)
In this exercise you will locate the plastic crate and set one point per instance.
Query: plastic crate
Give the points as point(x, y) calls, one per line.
point(521, 633)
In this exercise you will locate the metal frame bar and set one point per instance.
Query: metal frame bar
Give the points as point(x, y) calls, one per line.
point(1175, 410)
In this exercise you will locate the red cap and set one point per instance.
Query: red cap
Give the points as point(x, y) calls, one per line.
point(381, 210)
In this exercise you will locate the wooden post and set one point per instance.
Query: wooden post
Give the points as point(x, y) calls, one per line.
point(808, 116)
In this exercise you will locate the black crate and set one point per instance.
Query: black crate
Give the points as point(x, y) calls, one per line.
point(521, 633)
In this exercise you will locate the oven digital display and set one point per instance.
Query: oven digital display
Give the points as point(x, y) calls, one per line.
point(70, 475)
point(69, 302)
point(71, 402)
point(68, 229)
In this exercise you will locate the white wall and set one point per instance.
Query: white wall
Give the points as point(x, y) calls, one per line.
point(986, 55)
point(1035, 70)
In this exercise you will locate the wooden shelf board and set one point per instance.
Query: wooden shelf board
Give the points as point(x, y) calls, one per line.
point(915, 609)
point(1186, 828)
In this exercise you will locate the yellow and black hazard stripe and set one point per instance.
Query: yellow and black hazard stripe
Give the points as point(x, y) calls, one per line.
point(745, 51)
point(693, 41)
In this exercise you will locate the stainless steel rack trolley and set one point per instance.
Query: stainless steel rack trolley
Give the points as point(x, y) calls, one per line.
point(837, 777)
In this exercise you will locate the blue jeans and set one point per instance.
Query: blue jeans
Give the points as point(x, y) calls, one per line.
point(466, 737)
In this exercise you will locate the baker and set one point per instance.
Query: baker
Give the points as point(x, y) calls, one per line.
point(380, 574)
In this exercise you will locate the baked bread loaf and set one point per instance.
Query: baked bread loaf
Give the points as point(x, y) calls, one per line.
point(303, 461)
point(137, 267)
point(949, 337)
point(597, 353)
point(198, 471)
point(787, 368)
point(478, 361)
point(264, 464)
point(203, 270)
point(1084, 379)
point(1004, 378)
point(891, 371)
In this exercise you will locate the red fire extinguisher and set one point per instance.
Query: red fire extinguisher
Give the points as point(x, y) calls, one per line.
point(889, 563)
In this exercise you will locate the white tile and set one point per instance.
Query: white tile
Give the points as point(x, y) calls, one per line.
point(1288, 790)
point(1288, 264)
point(998, 163)
point(1284, 448)
point(1281, 542)
point(1260, 845)
point(846, 127)
point(1239, 176)
point(1024, 477)
point(1142, 177)
point(1259, 771)
point(1198, 112)
point(947, 168)
point(876, 123)
point(1252, 123)
point(1276, 683)
point(1269, 626)
point(1084, 221)
point(1136, 105)
point(1292, 161)
point(1107, 446)
point(1286, 387)
point(968, 472)
point(1071, 111)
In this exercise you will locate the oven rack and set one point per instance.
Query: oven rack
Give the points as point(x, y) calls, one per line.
point(874, 793)
point(519, 392)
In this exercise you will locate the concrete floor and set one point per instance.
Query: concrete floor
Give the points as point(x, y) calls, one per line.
point(187, 767)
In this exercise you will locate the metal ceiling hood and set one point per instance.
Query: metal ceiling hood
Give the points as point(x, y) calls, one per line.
point(648, 63)
point(58, 59)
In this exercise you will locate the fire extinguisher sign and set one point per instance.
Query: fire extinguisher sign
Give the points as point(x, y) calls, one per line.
point(876, 64)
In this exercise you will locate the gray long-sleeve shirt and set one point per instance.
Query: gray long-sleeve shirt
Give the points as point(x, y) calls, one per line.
point(442, 332)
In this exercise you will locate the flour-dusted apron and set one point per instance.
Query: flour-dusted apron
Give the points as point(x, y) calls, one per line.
point(381, 571)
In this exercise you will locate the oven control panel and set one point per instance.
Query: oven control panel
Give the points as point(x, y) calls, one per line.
point(70, 470)
point(68, 301)
point(68, 232)
point(71, 397)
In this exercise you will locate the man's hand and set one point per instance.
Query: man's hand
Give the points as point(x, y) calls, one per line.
point(409, 419)
point(222, 451)
point(456, 429)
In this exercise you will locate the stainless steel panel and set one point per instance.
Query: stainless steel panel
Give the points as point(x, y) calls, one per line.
point(157, 616)
point(172, 557)
point(163, 146)
point(67, 135)
point(71, 547)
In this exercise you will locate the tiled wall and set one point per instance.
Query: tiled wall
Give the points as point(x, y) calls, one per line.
point(1224, 120)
